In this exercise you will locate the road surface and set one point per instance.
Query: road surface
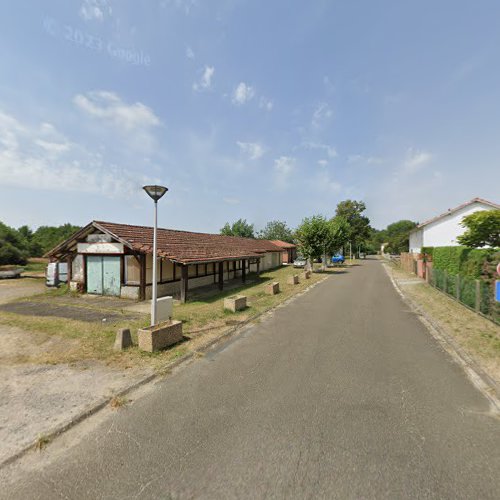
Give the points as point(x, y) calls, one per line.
point(341, 394)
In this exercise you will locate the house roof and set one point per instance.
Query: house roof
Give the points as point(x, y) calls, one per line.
point(456, 209)
point(184, 247)
point(283, 244)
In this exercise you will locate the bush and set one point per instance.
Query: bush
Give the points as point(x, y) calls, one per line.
point(9, 254)
point(461, 260)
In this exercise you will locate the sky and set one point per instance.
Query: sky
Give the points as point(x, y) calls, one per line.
point(262, 110)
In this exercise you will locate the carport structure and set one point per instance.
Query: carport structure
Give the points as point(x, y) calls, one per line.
point(106, 258)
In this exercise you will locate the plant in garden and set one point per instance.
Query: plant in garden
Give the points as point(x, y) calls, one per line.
point(482, 229)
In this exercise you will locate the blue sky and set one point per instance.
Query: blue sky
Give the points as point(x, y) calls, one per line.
point(256, 109)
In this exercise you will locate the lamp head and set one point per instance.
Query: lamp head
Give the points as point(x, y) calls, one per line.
point(155, 192)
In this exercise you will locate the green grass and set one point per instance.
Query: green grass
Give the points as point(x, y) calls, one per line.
point(35, 267)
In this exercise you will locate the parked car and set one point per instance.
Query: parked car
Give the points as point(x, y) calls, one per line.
point(57, 272)
point(299, 262)
point(338, 259)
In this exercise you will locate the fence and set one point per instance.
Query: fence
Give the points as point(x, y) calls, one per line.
point(475, 294)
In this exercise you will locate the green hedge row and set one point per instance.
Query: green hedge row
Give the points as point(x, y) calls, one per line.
point(460, 260)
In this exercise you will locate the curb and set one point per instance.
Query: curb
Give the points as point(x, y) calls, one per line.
point(481, 380)
point(93, 409)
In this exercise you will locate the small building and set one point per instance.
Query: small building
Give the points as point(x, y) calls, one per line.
point(443, 230)
point(105, 258)
point(289, 250)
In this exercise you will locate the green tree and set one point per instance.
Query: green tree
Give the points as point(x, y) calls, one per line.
point(359, 224)
point(317, 236)
point(398, 236)
point(482, 229)
point(276, 230)
point(47, 237)
point(13, 248)
point(239, 228)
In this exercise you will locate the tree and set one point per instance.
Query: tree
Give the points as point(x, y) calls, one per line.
point(239, 228)
point(398, 236)
point(482, 229)
point(276, 230)
point(47, 237)
point(359, 224)
point(318, 236)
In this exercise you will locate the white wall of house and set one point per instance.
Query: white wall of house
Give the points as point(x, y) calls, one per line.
point(443, 232)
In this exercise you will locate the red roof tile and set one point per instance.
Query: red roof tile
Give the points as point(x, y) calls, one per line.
point(283, 244)
point(187, 247)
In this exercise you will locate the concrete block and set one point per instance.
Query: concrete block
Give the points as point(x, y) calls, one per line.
point(164, 308)
point(157, 337)
point(272, 288)
point(235, 303)
point(306, 275)
point(123, 339)
point(293, 280)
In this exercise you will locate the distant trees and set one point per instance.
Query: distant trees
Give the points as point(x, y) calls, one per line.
point(276, 230)
point(397, 235)
point(239, 228)
point(359, 225)
point(17, 245)
point(482, 229)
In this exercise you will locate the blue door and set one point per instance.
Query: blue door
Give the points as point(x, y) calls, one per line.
point(103, 275)
point(94, 274)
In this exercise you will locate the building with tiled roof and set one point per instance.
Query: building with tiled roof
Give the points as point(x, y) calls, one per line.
point(288, 250)
point(116, 259)
point(443, 230)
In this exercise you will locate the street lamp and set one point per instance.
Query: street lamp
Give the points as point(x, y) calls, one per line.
point(155, 192)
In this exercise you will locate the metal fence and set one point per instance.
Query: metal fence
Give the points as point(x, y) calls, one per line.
point(475, 294)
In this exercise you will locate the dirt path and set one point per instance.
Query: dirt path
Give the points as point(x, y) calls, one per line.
point(16, 289)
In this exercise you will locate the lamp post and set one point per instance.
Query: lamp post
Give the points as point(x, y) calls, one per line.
point(155, 192)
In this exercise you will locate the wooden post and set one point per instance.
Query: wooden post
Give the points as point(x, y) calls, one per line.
point(243, 270)
point(184, 283)
point(221, 275)
point(84, 271)
point(69, 261)
point(478, 296)
point(258, 267)
point(142, 278)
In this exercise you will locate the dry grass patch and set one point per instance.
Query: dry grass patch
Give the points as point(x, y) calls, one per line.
point(479, 337)
point(117, 402)
point(204, 320)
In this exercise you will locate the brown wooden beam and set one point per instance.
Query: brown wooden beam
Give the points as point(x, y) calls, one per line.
point(184, 283)
point(244, 271)
point(142, 278)
point(221, 275)
point(69, 261)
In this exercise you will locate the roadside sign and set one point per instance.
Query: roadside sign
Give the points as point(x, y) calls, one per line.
point(497, 290)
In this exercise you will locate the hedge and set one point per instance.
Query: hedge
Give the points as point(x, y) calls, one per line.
point(468, 262)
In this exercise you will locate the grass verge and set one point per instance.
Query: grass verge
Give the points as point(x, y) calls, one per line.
point(204, 319)
point(477, 336)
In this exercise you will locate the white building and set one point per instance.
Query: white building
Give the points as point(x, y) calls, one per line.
point(443, 230)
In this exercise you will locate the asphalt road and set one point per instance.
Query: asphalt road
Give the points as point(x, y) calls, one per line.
point(340, 394)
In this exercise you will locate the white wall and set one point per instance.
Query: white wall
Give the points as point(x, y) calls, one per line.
point(444, 232)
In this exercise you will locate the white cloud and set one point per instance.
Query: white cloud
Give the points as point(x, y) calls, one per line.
point(329, 150)
point(266, 103)
point(231, 201)
point(254, 150)
point(97, 10)
point(29, 159)
point(284, 166)
point(205, 82)
point(323, 163)
point(415, 160)
point(322, 182)
point(185, 5)
point(369, 160)
point(189, 53)
point(322, 112)
point(242, 94)
point(109, 107)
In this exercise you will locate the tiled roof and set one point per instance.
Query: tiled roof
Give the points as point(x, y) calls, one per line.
point(453, 210)
point(187, 247)
point(283, 244)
